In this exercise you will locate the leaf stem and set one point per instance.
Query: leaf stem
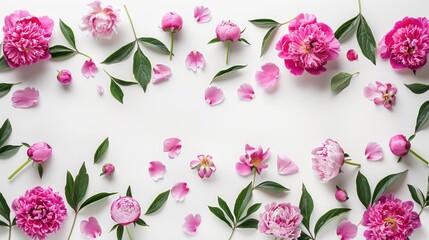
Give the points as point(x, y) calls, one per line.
point(171, 44)
point(10, 232)
point(131, 21)
point(284, 23)
point(254, 178)
point(107, 73)
point(74, 222)
point(83, 54)
point(232, 233)
point(129, 233)
point(421, 210)
point(228, 45)
point(419, 157)
point(356, 73)
point(352, 163)
point(19, 169)
point(360, 8)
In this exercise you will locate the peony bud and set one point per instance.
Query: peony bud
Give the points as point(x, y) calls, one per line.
point(107, 169)
point(171, 22)
point(64, 77)
point(125, 210)
point(228, 31)
point(341, 195)
point(399, 145)
point(352, 55)
point(39, 152)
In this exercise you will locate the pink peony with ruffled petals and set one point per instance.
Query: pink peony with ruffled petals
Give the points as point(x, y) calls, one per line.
point(328, 160)
point(101, 22)
point(281, 220)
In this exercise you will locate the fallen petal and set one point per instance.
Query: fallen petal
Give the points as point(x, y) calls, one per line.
point(191, 223)
point(156, 170)
point(285, 166)
point(26, 98)
point(352, 55)
point(268, 77)
point(90, 228)
point(202, 14)
point(179, 191)
point(173, 146)
point(373, 152)
point(245, 92)
point(100, 90)
point(195, 60)
point(161, 73)
point(213, 95)
point(346, 230)
point(89, 69)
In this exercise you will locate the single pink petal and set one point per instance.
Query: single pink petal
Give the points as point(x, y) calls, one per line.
point(346, 230)
point(373, 152)
point(161, 73)
point(213, 95)
point(173, 146)
point(90, 228)
point(156, 170)
point(195, 60)
point(243, 169)
point(89, 69)
point(245, 92)
point(285, 166)
point(202, 14)
point(371, 91)
point(26, 98)
point(191, 223)
point(179, 191)
point(268, 77)
point(100, 90)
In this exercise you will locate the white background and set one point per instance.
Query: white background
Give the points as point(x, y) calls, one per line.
point(297, 117)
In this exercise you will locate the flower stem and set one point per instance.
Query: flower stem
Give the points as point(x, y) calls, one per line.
point(352, 163)
point(171, 44)
point(228, 45)
point(254, 178)
point(284, 23)
point(129, 234)
point(74, 222)
point(19, 169)
point(10, 232)
point(421, 210)
point(131, 21)
point(419, 157)
point(360, 8)
point(83, 54)
point(232, 233)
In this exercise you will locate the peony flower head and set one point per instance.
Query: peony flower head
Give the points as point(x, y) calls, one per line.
point(227, 31)
point(204, 166)
point(64, 77)
point(39, 212)
point(125, 210)
point(328, 160)
point(100, 22)
point(253, 159)
point(39, 152)
point(407, 44)
point(308, 46)
point(381, 94)
point(26, 38)
point(399, 145)
point(352, 55)
point(390, 218)
point(281, 220)
point(171, 22)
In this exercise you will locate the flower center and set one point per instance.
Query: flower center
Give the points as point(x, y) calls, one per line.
point(391, 222)
point(256, 162)
point(387, 98)
point(205, 162)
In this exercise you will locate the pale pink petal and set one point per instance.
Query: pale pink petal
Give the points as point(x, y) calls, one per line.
point(243, 169)
point(191, 223)
point(195, 60)
point(156, 170)
point(90, 228)
point(179, 191)
point(26, 98)
point(268, 77)
point(173, 146)
point(100, 90)
point(202, 14)
point(89, 69)
point(161, 73)
point(285, 166)
point(245, 92)
point(371, 91)
point(213, 95)
point(373, 152)
point(346, 230)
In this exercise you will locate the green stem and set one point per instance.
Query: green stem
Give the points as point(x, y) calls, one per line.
point(74, 222)
point(228, 44)
point(129, 234)
point(360, 9)
point(254, 178)
point(352, 163)
point(171, 44)
point(107, 73)
point(419, 157)
point(10, 232)
point(359, 223)
point(421, 210)
point(281, 24)
point(131, 21)
point(355, 73)
point(232, 233)
point(83, 54)
point(19, 169)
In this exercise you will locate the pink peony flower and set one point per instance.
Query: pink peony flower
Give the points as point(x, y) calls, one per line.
point(352, 55)
point(161, 73)
point(179, 191)
point(308, 46)
point(268, 77)
point(125, 210)
point(346, 230)
point(202, 14)
point(89, 69)
point(390, 218)
point(341, 195)
point(281, 220)
point(39, 152)
point(285, 166)
point(245, 92)
point(214, 95)
point(90, 228)
point(328, 160)
point(64, 77)
point(227, 31)
point(25, 98)
point(192, 222)
point(171, 22)
point(373, 152)
point(204, 166)
point(253, 159)
point(157, 170)
point(26, 38)
point(107, 169)
point(399, 145)
point(381, 94)
point(407, 44)
point(194, 60)
point(39, 212)
point(173, 146)
point(100, 22)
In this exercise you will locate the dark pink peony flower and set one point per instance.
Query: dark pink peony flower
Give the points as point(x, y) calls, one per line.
point(64, 77)
point(39, 212)
point(281, 220)
point(125, 210)
point(308, 46)
point(39, 152)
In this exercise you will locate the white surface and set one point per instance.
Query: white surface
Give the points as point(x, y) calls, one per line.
point(294, 119)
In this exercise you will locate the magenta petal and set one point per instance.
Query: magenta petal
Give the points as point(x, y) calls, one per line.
point(161, 73)
point(285, 166)
point(373, 152)
point(202, 14)
point(25, 98)
point(90, 228)
point(173, 146)
point(268, 77)
point(179, 191)
point(243, 169)
point(194, 60)
point(346, 230)
point(89, 69)
point(191, 223)
point(213, 95)
point(245, 92)
point(156, 170)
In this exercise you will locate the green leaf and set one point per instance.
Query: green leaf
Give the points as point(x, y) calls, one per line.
point(417, 88)
point(80, 185)
point(228, 70)
point(219, 214)
point(417, 195)
point(4, 208)
point(123, 82)
point(120, 54)
point(214, 40)
point(60, 51)
point(304, 236)
point(264, 22)
point(114, 227)
point(251, 210)
point(3, 65)
point(306, 205)
point(3, 224)
point(244, 40)
point(69, 190)
point(158, 202)
point(8, 150)
point(142, 69)
point(101, 150)
point(249, 223)
point(346, 28)
point(95, 198)
point(267, 39)
point(272, 186)
point(325, 218)
point(141, 222)
point(129, 193)
point(363, 190)
point(120, 232)
point(242, 201)
point(116, 91)
point(14, 221)
point(68, 33)
point(5, 88)
point(155, 44)
point(26, 144)
point(423, 116)
point(340, 81)
point(225, 208)
point(384, 183)
point(366, 39)
point(40, 170)
point(5, 131)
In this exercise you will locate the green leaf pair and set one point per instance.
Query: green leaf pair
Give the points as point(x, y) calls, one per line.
point(5, 132)
point(418, 196)
point(3, 65)
point(60, 51)
point(5, 213)
point(266, 23)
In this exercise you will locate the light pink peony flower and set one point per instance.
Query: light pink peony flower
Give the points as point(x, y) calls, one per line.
point(171, 22)
point(39, 212)
point(161, 73)
point(390, 218)
point(373, 152)
point(90, 228)
point(108, 169)
point(253, 159)
point(268, 77)
point(328, 160)
point(281, 220)
point(125, 210)
point(173, 146)
point(352, 55)
point(285, 166)
point(64, 77)
point(346, 230)
point(204, 166)
point(179, 191)
point(157, 170)
point(399, 145)
point(202, 14)
point(26, 98)
point(245, 92)
point(308, 46)
point(214, 95)
point(100, 22)
point(381, 94)
point(26, 38)
point(192, 222)
point(39, 152)
point(227, 31)
point(341, 195)
point(407, 44)
point(89, 69)
point(194, 60)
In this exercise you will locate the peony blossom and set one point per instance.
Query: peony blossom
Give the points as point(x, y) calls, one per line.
point(25, 98)
point(179, 191)
point(390, 218)
point(245, 92)
point(90, 228)
point(253, 159)
point(39, 152)
point(173, 146)
point(407, 44)
point(192, 222)
point(100, 22)
point(346, 230)
point(202, 14)
point(328, 160)
point(108, 169)
point(204, 166)
point(157, 170)
point(89, 69)
point(373, 152)
point(171, 22)
point(161, 73)
point(399, 145)
point(341, 195)
point(308, 46)
point(268, 77)
point(381, 94)
point(352, 55)
point(194, 60)
point(227, 31)
point(64, 77)
point(125, 210)
point(214, 95)
point(39, 212)
point(285, 166)
point(281, 220)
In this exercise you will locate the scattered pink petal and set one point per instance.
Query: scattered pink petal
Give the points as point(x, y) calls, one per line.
point(352, 55)
point(346, 230)
point(191, 223)
point(89, 69)
point(173, 146)
point(202, 14)
point(268, 77)
point(161, 73)
point(90, 228)
point(156, 170)
point(179, 191)
point(214, 95)
point(194, 60)
point(285, 166)
point(373, 152)
point(100, 90)
point(26, 98)
point(245, 92)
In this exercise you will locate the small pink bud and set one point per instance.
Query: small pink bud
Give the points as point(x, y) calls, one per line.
point(39, 152)
point(341, 195)
point(352, 55)
point(107, 169)
point(399, 145)
point(228, 31)
point(171, 22)
point(64, 77)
